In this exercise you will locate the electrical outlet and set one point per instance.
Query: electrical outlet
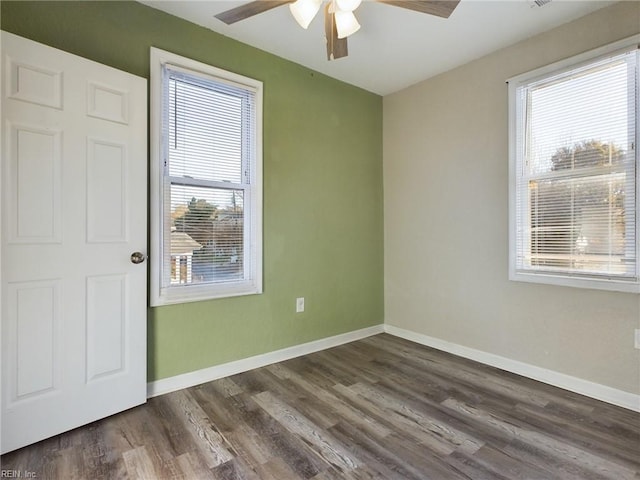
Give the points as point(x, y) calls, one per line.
point(637, 339)
point(299, 304)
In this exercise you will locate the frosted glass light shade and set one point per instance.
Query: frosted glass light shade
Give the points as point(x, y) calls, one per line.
point(304, 11)
point(346, 23)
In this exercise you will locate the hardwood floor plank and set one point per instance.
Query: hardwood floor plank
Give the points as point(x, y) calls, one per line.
point(390, 418)
point(341, 410)
point(307, 403)
point(191, 467)
point(438, 430)
point(198, 424)
point(331, 451)
point(360, 473)
point(282, 443)
point(436, 412)
point(277, 469)
point(97, 457)
point(473, 468)
point(165, 424)
point(227, 387)
point(274, 440)
point(235, 469)
point(547, 443)
point(349, 369)
point(395, 457)
point(381, 408)
point(563, 469)
point(248, 444)
point(139, 465)
point(465, 374)
point(372, 453)
point(68, 463)
point(621, 448)
point(511, 467)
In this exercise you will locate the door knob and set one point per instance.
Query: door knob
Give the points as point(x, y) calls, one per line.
point(137, 257)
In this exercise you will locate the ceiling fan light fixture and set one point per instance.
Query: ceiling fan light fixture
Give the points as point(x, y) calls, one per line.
point(348, 5)
point(346, 23)
point(304, 11)
point(339, 20)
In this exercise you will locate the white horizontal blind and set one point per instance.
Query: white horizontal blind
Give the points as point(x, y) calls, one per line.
point(576, 171)
point(209, 133)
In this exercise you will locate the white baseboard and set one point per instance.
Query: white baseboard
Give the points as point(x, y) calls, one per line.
point(178, 382)
point(551, 377)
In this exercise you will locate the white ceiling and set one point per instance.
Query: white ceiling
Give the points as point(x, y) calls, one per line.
point(395, 47)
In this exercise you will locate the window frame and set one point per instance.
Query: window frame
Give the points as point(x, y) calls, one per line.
point(160, 190)
point(514, 116)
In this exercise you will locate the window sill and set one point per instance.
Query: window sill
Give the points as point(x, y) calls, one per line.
point(566, 281)
point(198, 293)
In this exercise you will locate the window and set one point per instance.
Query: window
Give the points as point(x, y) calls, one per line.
point(206, 200)
point(574, 171)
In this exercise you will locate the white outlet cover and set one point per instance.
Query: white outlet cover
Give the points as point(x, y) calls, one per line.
point(299, 304)
point(636, 343)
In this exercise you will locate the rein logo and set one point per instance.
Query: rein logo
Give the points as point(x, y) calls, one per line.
point(17, 474)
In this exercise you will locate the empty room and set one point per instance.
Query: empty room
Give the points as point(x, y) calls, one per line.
point(307, 239)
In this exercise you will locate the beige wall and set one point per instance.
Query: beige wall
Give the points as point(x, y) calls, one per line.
point(446, 214)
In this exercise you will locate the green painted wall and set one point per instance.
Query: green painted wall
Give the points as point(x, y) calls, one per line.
point(323, 217)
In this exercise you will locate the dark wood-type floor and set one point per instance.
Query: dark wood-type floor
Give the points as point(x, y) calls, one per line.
point(378, 408)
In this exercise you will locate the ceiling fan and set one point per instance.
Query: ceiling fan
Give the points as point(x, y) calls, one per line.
point(339, 20)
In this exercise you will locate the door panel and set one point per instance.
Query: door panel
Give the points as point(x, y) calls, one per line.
point(106, 192)
point(34, 175)
point(34, 84)
point(33, 306)
point(106, 325)
point(74, 208)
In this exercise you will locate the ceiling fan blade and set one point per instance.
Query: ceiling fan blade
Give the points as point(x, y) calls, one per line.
point(249, 10)
point(440, 8)
point(336, 47)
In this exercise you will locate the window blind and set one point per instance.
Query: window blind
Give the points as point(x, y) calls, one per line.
point(576, 171)
point(209, 149)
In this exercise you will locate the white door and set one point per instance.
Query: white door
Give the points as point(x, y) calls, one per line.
point(74, 209)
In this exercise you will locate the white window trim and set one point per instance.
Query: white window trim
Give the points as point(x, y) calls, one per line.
point(558, 279)
point(192, 293)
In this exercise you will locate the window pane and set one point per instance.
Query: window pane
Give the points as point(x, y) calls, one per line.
point(205, 131)
point(579, 224)
point(580, 119)
point(206, 235)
